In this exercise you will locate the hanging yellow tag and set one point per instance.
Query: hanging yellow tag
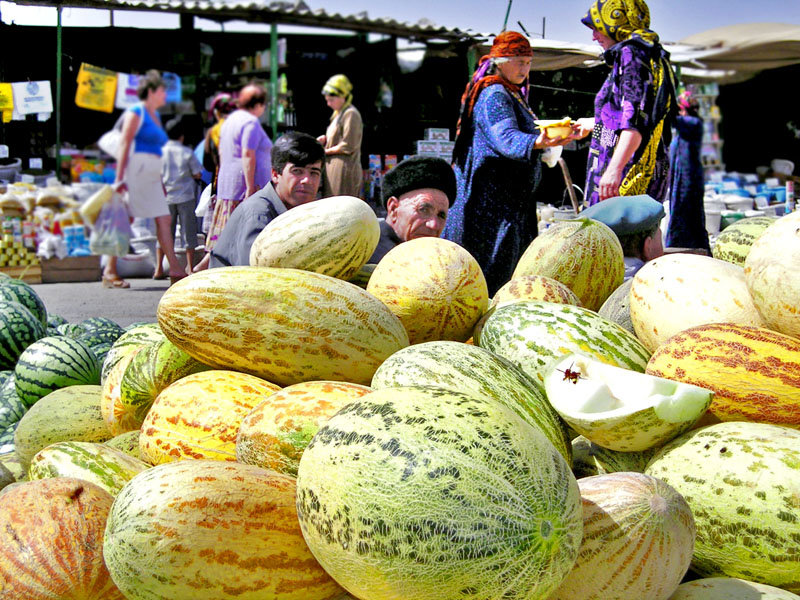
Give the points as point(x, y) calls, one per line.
point(6, 101)
point(97, 88)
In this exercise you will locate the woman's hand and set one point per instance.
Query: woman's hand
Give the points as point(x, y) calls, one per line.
point(120, 187)
point(322, 139)
point(582, 128)
point(609, 183)
point(543, 141)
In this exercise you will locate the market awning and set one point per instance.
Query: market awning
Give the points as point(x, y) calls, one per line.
point(282, 12)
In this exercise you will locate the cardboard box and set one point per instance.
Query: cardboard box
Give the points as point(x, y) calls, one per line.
point(437, 133)
point(427, 147)
point(71, 269)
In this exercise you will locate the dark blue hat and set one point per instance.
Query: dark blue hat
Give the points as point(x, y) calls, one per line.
point(417, 172)
point(627, 214)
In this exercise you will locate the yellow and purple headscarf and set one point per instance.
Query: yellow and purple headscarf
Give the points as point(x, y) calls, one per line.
point(621, 20)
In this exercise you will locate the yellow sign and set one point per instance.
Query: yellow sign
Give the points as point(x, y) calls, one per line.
point(6, 101)
point(97, 88)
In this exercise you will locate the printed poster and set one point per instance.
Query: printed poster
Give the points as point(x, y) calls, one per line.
point(97, 88)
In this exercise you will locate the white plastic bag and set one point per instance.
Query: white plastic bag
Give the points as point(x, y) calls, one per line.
point(112, 230)
point(204, 202)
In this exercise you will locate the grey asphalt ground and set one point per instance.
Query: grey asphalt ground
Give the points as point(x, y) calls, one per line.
point(78, 301)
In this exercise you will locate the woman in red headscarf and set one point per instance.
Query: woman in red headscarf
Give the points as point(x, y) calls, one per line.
point(496, 158)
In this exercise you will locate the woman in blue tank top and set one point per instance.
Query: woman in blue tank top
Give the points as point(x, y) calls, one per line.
point(139, 172)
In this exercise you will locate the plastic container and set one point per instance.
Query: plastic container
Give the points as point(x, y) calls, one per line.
point(9, 172)
point(713, 221)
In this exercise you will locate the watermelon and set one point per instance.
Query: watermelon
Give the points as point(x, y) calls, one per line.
point(11, 406)
point(532, 334)
point(678, 291)
point(772, 273)
point(741, 482)
point(133, 338)
point(211, 530)
point(68, 414)
point(283, 325)
point(638, 536)
point(19, 328)
point(5, 376)
point(54, 321)
point(7, 439)
point(100, 464)
point(590, 459)
point(333, 236)
point(70, 330)
point(15, 290)
point(51, 541)
point(434, 286)
point(99, 330)
point(101, 351)
point(583, 254)
point(421, 493)
point(734, 243)
point(474, 370)
point(617, 306)
point(276, 432)
point(52, 363)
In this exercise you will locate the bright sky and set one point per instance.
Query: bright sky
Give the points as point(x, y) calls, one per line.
point(672, 19)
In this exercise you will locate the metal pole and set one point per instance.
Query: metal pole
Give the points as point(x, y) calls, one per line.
point(58, 93)
point(508, 11)
point(273, 79)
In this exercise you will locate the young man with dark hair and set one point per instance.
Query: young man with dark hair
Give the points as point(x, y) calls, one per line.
point(297, 162)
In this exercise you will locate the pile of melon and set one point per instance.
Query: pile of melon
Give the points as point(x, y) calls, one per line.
point(280, 433)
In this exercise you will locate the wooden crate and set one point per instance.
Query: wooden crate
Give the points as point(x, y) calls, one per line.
point(71, 269)
point(28, 274)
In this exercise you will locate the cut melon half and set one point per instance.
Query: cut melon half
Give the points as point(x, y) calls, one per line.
point(620, 409)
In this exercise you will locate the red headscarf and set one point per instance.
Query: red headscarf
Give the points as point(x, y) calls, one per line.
point(506, 45)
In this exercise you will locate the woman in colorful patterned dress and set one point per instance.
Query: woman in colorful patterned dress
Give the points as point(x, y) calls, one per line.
point(634, 109)
point(497, 165)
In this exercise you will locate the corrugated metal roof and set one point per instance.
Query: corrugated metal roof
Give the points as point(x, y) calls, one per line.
point(284, 12)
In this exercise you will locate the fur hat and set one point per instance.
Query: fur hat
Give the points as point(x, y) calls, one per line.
point(418, 172)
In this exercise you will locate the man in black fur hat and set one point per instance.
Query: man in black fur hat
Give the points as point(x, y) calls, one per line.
point(417, 194)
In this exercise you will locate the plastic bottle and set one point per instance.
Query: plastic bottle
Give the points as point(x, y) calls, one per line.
point(790, 204)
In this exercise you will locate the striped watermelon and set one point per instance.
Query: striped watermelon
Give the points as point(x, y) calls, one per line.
point(11, 406)
point(583, 254)
point(19, 328)
point(589, 459)
point(127, 442)
point(53, 321)
point(772, 273)
point(211, 530)
point(52, 363)
point(100, 351)
point(532, 334)
point(51, 541)
point(116, 417)
point(150, 371)
point(276, 432)
point(638, 536)
point(333, 236)
point(15, 290)
point(678, 291)
point(97, 463)
point(734, 243)
point(99, 330)
point(199, 416)
point(135, 337)
point(534, 287)
point(742, 482)
point(284, 325)
point(70, 330)
point(474, 370)
point(421, 493)
point(67, 414)
point(434, 286)
point(729, 588)
point(617, 306)
point(753, 372)
point(5, 375)
point(7, 439)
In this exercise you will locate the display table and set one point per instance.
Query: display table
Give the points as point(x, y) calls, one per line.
point(28, 273)
point(71, 269)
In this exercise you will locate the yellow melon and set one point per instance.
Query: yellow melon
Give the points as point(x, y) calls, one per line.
point(435, 287)
point(535, 287)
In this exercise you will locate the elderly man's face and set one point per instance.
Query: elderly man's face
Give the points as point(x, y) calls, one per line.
point(419, 213)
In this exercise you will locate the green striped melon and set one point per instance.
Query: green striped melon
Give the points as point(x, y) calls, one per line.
point(51, 541)
point(772, 273)
point(638, 536)
point(276, 432)
point(99, 330)
point(589, 459)
point(68, 414)
point(421, 493)
point(127, 442)
point(466, 368)
point(617, 306)
point(729, 588)
point(150, 371)
point(333, 236)
point(734, 243)
point(583, 254)
point(116, 417)
point(7, 439)
point(136, 337)
point(362, 276)
point(54, 321)
point(211, 530)
point(283, 325)
point(15, 290)
point(532, 334)
point(742, 483)
point(11, 405)
point(100, 464)
point(19, 328)
point(434, 286)
point(100, 351)
point(674, 292)
point(5, 375)
point(70, 330)
point(52, 363)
